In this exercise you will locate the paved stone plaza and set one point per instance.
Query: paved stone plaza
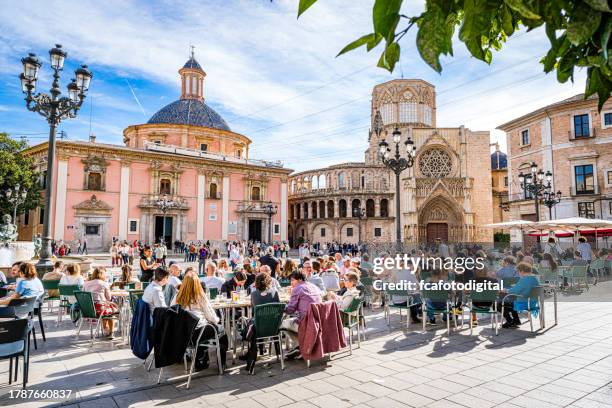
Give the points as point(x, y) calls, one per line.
point(565, 365)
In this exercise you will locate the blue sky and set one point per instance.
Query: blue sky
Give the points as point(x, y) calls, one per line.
point(273, 78)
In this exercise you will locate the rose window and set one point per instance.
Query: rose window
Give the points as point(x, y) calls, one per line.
point(435, 163)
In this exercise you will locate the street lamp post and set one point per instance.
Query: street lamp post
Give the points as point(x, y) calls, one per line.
point(550, 200)
point(16, 197)
point(54, 108)
point(359, 213)
point(397, 164)
point(270, 209)
point(164, 204)
point(538, 184)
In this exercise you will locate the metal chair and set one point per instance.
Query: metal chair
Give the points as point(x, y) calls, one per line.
point(14, 343)
point(88, 312)
point(532, 302)
point(368, 285)
point(350, 320)
point(484, 296)
point(47, 286)
point(579, 273)
point(193, 346)
point(438, 296)
point(65, 293)
point(267, 319)
point(410, 301)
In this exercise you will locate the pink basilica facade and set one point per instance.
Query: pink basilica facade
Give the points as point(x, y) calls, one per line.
point(186, 153)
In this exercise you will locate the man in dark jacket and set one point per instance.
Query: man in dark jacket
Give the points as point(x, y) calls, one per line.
point(270, 260)
point(234, 284)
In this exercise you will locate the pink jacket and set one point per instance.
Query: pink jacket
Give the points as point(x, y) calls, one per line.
point(321, 331)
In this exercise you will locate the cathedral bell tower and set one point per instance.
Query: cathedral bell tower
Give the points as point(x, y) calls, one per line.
point(192, 79)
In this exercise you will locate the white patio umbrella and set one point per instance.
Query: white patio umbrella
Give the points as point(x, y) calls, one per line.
point(516, 224)
point(576, 224)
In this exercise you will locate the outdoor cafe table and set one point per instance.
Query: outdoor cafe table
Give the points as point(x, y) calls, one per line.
point(124, 310)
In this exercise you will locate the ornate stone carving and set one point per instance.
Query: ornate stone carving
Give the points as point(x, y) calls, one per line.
point(435, 163)
point(93, 206)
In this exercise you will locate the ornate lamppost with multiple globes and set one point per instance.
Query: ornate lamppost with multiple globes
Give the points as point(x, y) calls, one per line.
point(360, 214)
point(397, 164)
point(16, 196)
point(53, 107)
point(270, 209)
point(538, 184)
point(164, 204)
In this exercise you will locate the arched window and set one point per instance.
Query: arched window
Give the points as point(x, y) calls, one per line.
point(165, 186)
point(315, 182)
point(384, 207)
point(94, 181)
point(342, 208)
point(255, 193)
point(370, 208)
point(290, 212)
point(355, 207)
point(298, 208)
point(341, 180)
point(322, 209)
point(293, 186)
point(212, 190)
point(305, 211)
point(408, 112)
point(314, 209)
point(387, 112)
point(330, 209)
point(322, 181)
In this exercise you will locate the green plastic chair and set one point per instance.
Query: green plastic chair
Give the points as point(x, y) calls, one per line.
point(597, 268)
point(484, 296)
point(144, 285)
point(390, 305)
point(66, 293)
point(50, 285)
point(285, 283)
point(267, 319)
point(350, 320)
point(578, 274)
point(213, 293)
point(368, 285)
point(436, 296)
point(229, 275)
point(535, 294)
point(130, 286)
point(549, 276)
point(88, 312)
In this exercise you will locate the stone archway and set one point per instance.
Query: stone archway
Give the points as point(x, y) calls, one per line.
point(440, 217)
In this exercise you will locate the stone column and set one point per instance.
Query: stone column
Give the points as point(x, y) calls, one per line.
point(60, 198)
point(225, 208)
point(201, 188)
point(124, 194)
point(283, 211)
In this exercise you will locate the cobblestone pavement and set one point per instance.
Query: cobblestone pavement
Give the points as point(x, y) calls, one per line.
point(569, 364)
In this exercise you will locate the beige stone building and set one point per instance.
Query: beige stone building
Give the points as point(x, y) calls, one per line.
point(446, 194)
point(499, 186)
point(573, 140)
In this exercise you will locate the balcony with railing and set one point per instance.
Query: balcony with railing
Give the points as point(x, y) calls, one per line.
point(151, 201)
point(214, 195)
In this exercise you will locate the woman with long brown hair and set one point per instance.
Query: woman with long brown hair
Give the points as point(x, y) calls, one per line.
point(192, 297)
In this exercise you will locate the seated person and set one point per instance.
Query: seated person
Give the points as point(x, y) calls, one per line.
point(211, 280)
point(436, 275)
point(72, 277)
point(407, 274)
point(350, 284)
point(482, 276)
point(175, 273)
point(126, 277)
point(154, 294)
point(264, 291)
point(28, 285)
point(249, 272)
point(523, 287)
point(101, 296)
point(330, 278)
point(55, 275)
point(303, 294)
point(192, 297)
point(266, 269)
point(311, 277)
point(234, 284)
point(508, 270)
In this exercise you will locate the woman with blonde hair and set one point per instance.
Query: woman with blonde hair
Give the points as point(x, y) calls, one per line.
point(192, 297)
point(223, 268)
point(72, 277)
point(126, 277)
point(288, 268)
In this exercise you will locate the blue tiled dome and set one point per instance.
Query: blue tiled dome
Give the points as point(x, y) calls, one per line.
point(499, 160)
point(189, 112)
point(192, 63)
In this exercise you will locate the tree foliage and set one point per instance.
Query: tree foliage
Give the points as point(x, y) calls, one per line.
point(15, 168)
point(578, 32)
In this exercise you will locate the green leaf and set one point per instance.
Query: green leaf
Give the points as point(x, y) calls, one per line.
point(526, 8)
point(435, 34)
point(374, 41)
point(565, 67)
point(386, 16)
point(357, 43)
point(601, 5)
point(478, 18)
point(583, 24)
point(597, 83)
point(507, 21)
point(605, 37)
point(389, 57)
point(305, 5)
